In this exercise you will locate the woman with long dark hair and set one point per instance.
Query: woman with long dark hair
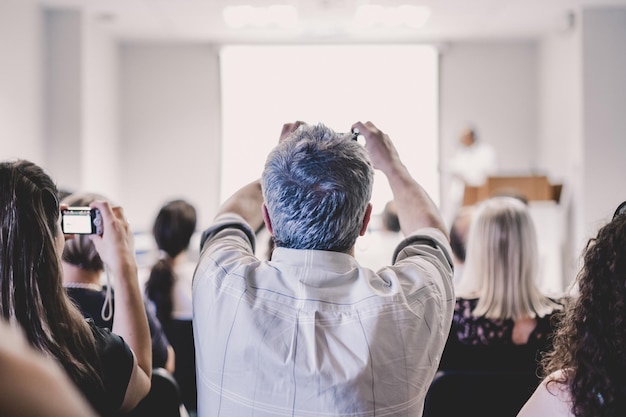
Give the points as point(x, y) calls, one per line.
point(169, 288)
point(112, 370)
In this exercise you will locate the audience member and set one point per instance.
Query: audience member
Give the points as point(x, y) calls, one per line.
point(169, 288)
point(585, 374)
point(501, 320)
point(458, 239)
point(102, 365)
point(374, 250)
point(470, 165)
point(311, 332)
point(390, 220)
point(32, 385)
point(82, 279)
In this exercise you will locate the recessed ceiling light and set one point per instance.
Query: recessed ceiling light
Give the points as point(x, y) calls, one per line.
point(413, 16)
point(282, 16)
point(373, 15)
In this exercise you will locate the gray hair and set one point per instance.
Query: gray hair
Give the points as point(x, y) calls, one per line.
point(317, 184)
point(501, 267)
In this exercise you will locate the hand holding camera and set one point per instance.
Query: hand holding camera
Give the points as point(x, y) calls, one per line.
point(115, 244)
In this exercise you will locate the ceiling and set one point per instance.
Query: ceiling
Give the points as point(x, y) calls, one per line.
point(332, 20)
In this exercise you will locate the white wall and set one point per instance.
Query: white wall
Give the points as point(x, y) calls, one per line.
point(170, 128)
point(100, 150)
point(81, 103)
point(560, 135)
point(604, 92)
point(560, 105)
point(20, 81)
point(494, 87)
point(583, 97)
point(63, 101)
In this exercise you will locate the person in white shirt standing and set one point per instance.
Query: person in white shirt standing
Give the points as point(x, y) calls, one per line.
point(470, 165)
point(311, 332)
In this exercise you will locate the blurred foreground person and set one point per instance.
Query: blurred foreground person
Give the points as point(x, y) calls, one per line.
point(32, 385)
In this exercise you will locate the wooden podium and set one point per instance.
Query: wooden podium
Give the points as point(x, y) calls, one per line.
point(531, 188)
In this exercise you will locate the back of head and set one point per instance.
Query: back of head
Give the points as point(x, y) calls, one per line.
point(80, 251)
point(459, 232)
point(469, 136)
point(317, 184)
point(174, 226)
point(391, 222)
point(502, 261)
point(31, 288)
point(29, 212)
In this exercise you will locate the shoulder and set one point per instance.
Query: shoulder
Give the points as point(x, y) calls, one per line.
point(111, 346)
point(117, 361)
point(551, 398)
point(429, 244)
point(424, 258)
point(229, 227)
point(423, 265)
point(228, 249)
point(229, 238)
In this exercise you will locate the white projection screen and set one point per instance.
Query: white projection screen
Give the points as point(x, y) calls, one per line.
point(394, 86)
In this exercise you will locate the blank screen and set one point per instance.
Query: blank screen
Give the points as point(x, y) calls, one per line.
point(394, 86)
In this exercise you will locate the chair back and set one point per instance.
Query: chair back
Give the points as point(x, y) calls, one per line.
point(180, 335)
point(484, 393)
point(164, 398)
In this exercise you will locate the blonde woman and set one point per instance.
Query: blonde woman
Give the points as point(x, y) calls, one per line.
point(501, 320)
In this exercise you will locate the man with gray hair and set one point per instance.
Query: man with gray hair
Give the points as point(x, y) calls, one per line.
point(311, 332)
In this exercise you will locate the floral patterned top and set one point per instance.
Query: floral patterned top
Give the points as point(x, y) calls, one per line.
point(482, 343)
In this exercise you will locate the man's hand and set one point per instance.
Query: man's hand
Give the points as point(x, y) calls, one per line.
point(382, 151)
point(415, 208)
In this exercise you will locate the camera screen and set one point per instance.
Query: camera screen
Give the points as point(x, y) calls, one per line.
point(77, 221)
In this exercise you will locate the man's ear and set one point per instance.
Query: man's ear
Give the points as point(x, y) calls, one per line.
point(266, 219)
point(366, 219)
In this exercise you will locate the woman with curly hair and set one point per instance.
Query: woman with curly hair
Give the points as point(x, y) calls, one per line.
point(586, 371)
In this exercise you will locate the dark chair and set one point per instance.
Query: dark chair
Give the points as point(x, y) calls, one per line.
point(484, 393)
point(164, 398)
point(180, 335)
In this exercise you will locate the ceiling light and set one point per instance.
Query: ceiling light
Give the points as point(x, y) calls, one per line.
point(283, 16)
point(371, 15)
point(238, 17)
point(413, 16)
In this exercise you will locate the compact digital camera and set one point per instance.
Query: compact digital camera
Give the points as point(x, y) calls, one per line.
point(81, 221)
